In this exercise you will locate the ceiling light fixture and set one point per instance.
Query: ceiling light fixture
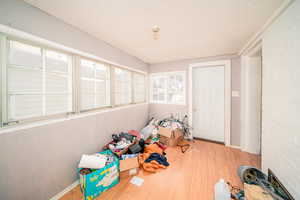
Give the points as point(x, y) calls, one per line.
point(155, 30)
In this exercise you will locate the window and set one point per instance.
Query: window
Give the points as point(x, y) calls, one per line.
point(123, 87)
point(139, 88)
point(39, 82)
point(94, 84)
point(167, 88)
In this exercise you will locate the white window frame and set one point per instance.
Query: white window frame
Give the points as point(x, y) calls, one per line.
point(5, 48)
point(10, 33)
point(164, 74)
point(133, 88)
point(114, 87)
point(78, 80)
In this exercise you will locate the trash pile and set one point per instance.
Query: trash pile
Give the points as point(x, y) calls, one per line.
point(257, 185)
point(127, 153)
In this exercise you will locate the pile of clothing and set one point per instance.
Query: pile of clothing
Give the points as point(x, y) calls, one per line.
point(121, 142)
point(153, 158)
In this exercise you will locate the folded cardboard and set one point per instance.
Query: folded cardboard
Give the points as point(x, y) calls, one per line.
point(129, 173)
point(170, 137)
point(129, 163)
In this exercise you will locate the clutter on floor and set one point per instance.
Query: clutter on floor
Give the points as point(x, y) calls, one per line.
point(255, 192)
point(253, 176)
point(257, 186)
point(222, 191)
point(129, 151)
point(137, 181)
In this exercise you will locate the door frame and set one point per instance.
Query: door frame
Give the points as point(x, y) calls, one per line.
point(227, 98)
point(247, 108)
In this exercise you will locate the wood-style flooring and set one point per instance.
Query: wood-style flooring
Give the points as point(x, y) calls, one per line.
point(190, 176)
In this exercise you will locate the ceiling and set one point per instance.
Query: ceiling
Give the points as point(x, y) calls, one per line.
point(188, 28)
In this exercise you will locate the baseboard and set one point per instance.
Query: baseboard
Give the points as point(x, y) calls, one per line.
point(65, 191)
point(206, 140)
point(235, 147)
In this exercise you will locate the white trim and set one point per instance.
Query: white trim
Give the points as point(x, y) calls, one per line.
point(246, 110)
point(3, 78)
point(26, 36)
point(65, 191)
point(8, 129)
point(234, 147)
point(227, 66)
point(182, 73)
point(258, 35)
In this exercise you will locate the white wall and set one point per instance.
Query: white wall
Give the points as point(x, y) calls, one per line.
point(251, 122)
point(281, 99)
point(39, 162)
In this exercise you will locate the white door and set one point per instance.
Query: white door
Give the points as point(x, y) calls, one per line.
point(208, 103)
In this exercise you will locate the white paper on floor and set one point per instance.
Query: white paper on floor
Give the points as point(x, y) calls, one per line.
point(137, 181)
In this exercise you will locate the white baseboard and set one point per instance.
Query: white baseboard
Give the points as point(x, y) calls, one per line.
point(235, 147)
point(65, 191)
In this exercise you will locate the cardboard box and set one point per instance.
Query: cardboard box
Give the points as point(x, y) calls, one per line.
point(129, 163)
point(96, 182)
point(255, 192)
point(129, 173)
point(170, 137)
point(120, 153)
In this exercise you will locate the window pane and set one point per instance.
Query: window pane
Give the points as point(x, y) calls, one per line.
point(24, 81)
point(122, 86)
point(24, 106)
point(25, 55)
point(95, 85)
point(87, 101)
point(57, 62)
point(37, 87)
point(139, 87)
point(56, 104)
point(158, 89)
point(168, 88)
point(87, 69)
point(175, 89)
point(57, 84)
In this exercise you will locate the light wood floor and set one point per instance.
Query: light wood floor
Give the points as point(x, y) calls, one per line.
point(190, 176)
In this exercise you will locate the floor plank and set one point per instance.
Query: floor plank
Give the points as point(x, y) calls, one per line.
point(191, 175)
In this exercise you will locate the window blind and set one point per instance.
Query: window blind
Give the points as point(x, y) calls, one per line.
point(39, 82)
point(123, 87)
point(139, 88)
point(168, 88)
point(95, 84)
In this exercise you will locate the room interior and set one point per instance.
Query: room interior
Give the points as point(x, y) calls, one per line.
point(76, 74)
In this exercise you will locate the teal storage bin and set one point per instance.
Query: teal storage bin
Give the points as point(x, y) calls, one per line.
point(93, 184)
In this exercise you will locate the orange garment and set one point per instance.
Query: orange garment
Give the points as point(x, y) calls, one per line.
point(152, 166)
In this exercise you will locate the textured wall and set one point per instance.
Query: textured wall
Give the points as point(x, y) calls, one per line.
point(161, 110)
point(37, 163)
point(281, 99)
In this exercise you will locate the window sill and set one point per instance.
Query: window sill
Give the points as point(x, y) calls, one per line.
point(175, 104)
point(71, 117)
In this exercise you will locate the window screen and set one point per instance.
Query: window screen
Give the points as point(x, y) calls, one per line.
point(39, 82)
point(95, 84)
point(139, 88)
point(167, 88)
point(123, 87)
